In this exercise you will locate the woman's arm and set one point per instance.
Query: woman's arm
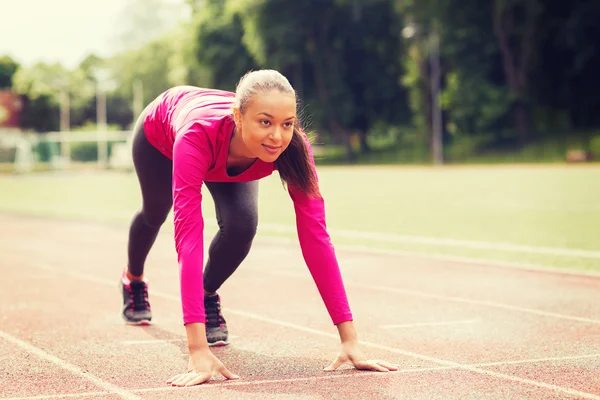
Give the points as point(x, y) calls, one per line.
point(190, 164)
point(319, 254)
point(317, 249)
point(191, 160)
point(320, 257)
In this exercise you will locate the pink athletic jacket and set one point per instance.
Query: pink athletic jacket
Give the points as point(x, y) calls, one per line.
point(193, 127)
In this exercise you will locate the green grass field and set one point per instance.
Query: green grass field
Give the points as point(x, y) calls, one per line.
point(550, 206)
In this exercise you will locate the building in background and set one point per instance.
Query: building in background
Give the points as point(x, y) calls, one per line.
point(11, 107)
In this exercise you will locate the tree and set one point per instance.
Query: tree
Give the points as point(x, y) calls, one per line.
point(564, 86)
point(344, 58)
point(40, 85)
point(515, 23)
point(8, 68)
point(220, 48)
point(475, 95)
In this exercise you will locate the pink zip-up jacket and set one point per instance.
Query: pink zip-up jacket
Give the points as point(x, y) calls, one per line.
point(193, 127)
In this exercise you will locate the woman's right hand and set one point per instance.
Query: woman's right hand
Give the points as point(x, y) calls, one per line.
point(202, 366)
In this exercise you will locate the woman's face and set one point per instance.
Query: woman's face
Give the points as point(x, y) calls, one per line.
point(267, 125)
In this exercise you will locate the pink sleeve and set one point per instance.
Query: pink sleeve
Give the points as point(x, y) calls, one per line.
point(191, 159)
point(319, 253)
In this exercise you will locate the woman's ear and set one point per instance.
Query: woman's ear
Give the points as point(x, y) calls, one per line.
point(237, 117)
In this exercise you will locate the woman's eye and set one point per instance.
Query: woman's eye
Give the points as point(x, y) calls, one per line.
point(265, 122)
point(288, 124)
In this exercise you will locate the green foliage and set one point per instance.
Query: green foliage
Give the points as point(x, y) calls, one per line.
point(475, 104)
point(342, 57)
point(184, 68)
point(511, 69)
point(595, 146)
point(45, 150)
point(40, 114)
point(148, 64)
point(568, 60)
point(41, 80)
point(414, 81)
point(220, 47)
point(87, 151)
point(8, 68)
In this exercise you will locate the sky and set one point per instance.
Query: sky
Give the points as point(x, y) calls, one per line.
point(64, 31)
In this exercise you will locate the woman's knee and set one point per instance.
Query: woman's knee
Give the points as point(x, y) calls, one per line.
point(154, 218)
point(241, 225)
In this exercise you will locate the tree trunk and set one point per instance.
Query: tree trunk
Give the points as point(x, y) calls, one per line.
point(344, 135)
point(522, 121)
point(364, 146)
point(324, 96)
point(426, 100)
point(516, 59)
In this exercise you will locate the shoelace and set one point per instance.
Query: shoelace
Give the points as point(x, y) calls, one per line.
point(140, 297)
point(213, 313)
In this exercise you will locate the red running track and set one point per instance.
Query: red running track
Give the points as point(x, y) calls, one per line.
point(457, 330)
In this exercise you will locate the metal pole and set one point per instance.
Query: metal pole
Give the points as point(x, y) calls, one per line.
point(436, 110)
point(65, 126)
point(138, 99)
point(101, 126)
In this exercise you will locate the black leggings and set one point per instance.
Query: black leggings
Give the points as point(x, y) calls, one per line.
point(236, 205)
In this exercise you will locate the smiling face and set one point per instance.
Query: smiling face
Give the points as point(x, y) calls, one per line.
point(267, 124)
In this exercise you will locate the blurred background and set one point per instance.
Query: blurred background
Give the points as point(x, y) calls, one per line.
point(505, 89)
point(384, 81)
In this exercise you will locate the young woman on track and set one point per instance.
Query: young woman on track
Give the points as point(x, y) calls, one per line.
point(191, 136)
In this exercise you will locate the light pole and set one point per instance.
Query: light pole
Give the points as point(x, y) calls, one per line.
point(103, 82)
point(65, 123)
point(437, 145)
point(138, 99)
point(101, 125)
point(436, 112)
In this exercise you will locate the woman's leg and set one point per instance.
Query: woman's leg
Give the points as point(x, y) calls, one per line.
point(236, 205)
point(154, 172)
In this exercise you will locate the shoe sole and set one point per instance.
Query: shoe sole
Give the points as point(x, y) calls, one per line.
point(138, 323)
point(218, 343)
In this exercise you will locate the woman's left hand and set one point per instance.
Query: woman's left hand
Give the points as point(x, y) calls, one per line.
point(350, 352)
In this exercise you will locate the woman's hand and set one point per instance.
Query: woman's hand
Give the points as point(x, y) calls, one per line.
point(351, 352)
point(203, 365)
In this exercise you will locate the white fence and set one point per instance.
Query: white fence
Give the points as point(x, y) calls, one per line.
point(22, 150)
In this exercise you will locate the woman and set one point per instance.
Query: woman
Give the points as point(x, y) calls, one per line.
point(190, 136)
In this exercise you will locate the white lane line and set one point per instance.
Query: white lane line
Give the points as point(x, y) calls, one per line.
point(448, 258)
point(327, 376)
point(223, 383)
point(390, 349)
point(59, 396)
point(485, 303)
point(158, 341)
point(420, 324)
point(422, 357)
point(149, 342)
point(467, 244)
point(537, 360)
point(240, 382)
point(416, 293)
point(266, 229)
point(124, 394)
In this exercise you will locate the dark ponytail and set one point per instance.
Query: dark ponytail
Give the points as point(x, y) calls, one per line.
point(296, 164)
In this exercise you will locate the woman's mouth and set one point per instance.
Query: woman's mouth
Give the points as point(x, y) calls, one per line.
point(272, 149)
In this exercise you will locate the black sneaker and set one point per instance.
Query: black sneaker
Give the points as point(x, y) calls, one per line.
point(216, 327)
point(136, 308)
